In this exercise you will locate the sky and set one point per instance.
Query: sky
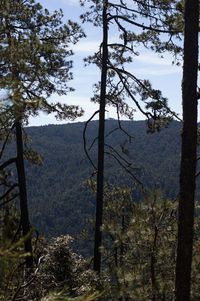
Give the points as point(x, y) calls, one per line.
point(160, 71)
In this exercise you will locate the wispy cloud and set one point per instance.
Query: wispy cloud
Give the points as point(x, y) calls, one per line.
point(86, 46)
point(93, 44)
point(157, 72)
point(149, 58)
point(154, 65)
point(71, 2)
point(87, 105)
point(75, 3)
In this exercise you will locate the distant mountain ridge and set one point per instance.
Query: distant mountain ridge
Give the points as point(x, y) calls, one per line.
point(59, 202)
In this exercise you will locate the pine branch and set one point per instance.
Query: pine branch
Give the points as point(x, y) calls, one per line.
point(8, 162)
point(84, 139)
point(8, 191)
point(143, 26)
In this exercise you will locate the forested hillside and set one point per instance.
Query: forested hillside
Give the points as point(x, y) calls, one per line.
point(59, 200)
point(126, 190)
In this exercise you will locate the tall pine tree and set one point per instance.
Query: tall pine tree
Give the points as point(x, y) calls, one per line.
point(153, 24)
point(34, 64)
point(188, 152)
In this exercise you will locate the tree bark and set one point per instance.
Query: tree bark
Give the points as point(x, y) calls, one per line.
point(188, 153)
point(23, 194)
point(100, 171)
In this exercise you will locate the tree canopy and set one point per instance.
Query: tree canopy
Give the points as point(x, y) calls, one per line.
point(36, 57)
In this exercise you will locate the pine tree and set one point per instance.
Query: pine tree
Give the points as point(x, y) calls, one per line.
point(34, 64)
point(188, 152)
point(34, 57)
point(156, 20)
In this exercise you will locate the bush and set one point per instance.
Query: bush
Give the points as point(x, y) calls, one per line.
point(61, 268)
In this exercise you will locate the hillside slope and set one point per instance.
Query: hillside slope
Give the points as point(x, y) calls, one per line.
point(60, 203)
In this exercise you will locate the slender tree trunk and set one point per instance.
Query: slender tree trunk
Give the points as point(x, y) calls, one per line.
point(100, 172)
point(23, 194)
point(188, 153)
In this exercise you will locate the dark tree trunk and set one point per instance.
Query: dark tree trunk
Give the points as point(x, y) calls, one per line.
point(188, 153)
point(23, 194)
point(100, 172)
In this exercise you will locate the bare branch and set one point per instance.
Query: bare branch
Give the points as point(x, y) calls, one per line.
point(8, 201)
point(126, 169)
point(8, 162)
point(121, 45)
point(26, 284)
point(112, 131)
point(84, 139)
point(117, 153)
point(120, 127)
point(118, 6)
point(116, 17)
point(8, 191)
point(5, 141)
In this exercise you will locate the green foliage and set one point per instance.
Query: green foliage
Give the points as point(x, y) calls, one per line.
point(62, 272)
point(138, 252)
point(141, 245)
point(139, 248)
point(68, 203)
point(63, 297)
point(155, 25)
point(139, 237)
point(34, 52)
point(11, 251)
point(34, 64)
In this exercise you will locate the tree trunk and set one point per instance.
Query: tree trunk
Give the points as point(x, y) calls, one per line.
point(100, 172)
point(188, 153)
point(23, 194)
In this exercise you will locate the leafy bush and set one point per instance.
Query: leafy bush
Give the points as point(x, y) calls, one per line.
point(60, 268)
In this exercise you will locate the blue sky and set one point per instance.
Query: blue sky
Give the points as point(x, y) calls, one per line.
point(162, 74)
